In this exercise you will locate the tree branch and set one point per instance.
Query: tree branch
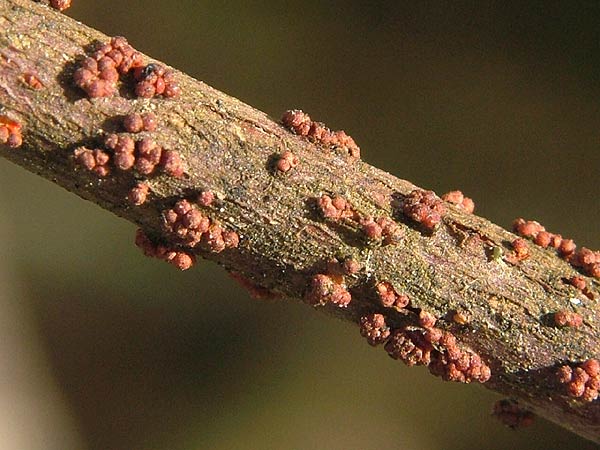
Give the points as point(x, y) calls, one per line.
point(350, 239)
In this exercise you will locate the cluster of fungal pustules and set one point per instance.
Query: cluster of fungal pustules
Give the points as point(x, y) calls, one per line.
point(10, 132)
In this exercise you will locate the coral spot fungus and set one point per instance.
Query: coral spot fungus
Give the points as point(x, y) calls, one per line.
point(423, 207)
point(564, 318)
point(136, 123)
point(301, 124)
point(458, 198)
point(10, 132)
point(286, 162)
point(178, 258)
point(325, 289)
point(335, 208)
point(32, 81)
point(374, 329)
point(154, 80)
point(582, 381)
point(137, 195)
point(256, 291)
point(61, 5)
point(95, 160)
point(98, 74)
point(388, 296)
point(410, 347)
point(205, 198)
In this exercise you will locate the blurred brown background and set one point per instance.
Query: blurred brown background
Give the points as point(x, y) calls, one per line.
point(105, 349)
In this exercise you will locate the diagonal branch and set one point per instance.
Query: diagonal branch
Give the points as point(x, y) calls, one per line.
point(298, 215)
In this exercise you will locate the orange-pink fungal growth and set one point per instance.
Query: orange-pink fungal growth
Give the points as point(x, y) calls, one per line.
point(520, 249)
point(286, 162)
point(61, 5)
point(95, 160)
point(583, 381)
point(458, 198)
point(205, 198)
point(325, 289)
point(511, 414)
point(454, 363)
point(388, 296)
point(527, 228)
point(186, 222)
point(426, 319)
point(564, 318)
point(10, 132)
point(410, 347)
point(335, 208)
point(123, 148)
point(423, 207)
point(374, 329)
point(136, 123)
point(588, 260)
point(171, 163)
point(301, 124)
point(32, 81)
point(98, 75)
point(578, 282)
point(137, 195)
point(178, 258)
point(154, 80)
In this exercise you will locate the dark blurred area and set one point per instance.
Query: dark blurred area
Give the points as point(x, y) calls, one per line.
point(106, 349)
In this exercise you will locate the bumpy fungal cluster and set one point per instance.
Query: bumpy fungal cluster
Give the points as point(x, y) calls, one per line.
point(256, 291)
point(335, 208)
point(520, 249)
point(301, 124)
point(324, 289)
point(458, 198)
point(286, 162)
point(388, 296)
point(137, 195)
point(582, 381)
point(10, 132)
point(511, 414)
point(61, 5)
point(409, 346)
point(145, 155)
point(585, 259)
point(579, 282)
point(178, 258)
point(374, 329)
point(190, 226)
point(424, 208)
point(98, 74)
point(95, 160)
point(32, 81)
point(564, 318)
point(154, 80)
point(136, 123)
point(383, 229)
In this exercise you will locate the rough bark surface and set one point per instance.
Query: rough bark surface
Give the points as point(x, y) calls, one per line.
point(228, 148)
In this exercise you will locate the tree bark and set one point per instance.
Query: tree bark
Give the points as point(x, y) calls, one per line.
point(229, 148)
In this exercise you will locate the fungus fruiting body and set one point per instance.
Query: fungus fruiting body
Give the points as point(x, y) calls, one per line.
point(95, 160)
point(136, 123)
point(301, 124)
point(458, 198)
point(423, 207)
point(582, 381)
point(153, 80)
point(205, 198)
point(335, 208)
point(410, 347)
point(137, 195)
point(32, 81)
point(61, 5)
point(564, 318)
point(325, 289)
point(286, 162)
point(255, 291)
point(520, 249)
point(178, 258)
point(388, 296)
point(374, 329)
point(10, 132)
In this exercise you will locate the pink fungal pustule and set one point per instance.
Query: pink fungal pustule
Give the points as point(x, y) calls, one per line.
point(409, 346)
point(32, 80)
point(123, 148)
point(61, 5)
point(511, 414)
point(95, 160)
point(520, 249)
point(324, 289)
point(582, 381)
point(178, 258)
point(136, 123)
point(154, 80)
point(205, 198)
point(190, 226)
point(588, 260)
point(383, 229)
point(454, 363)
point(426, 319)
point(98, 74)
point(564, 318)
point(137, 195)
point(335, 208)
point(374, 329)
point(286, 162)
point(458, 198)
point(388, 296)
point(301, 124)
point(171, 163)
point(423, 207)
point(10, 132)
point(579, 283)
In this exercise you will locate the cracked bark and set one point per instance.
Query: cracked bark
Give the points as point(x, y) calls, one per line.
point(228, 147)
